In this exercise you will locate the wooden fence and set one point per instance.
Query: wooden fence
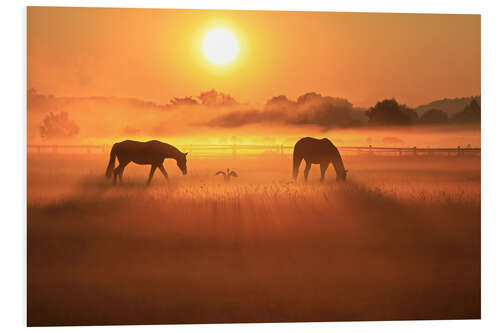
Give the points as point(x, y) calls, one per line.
point(235, 150)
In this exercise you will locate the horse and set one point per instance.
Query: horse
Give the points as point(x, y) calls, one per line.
point(317, 151)
point(143, 153)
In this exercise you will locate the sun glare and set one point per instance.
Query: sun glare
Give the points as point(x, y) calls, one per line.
point(220, 46)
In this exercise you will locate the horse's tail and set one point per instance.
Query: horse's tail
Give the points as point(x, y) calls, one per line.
point(297, 158)
point(111, 164)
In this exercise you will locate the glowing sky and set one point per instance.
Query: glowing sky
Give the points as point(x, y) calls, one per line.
point(158, 54)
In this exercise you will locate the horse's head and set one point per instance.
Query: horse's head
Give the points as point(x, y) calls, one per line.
point(181, 163)
point(342, 176)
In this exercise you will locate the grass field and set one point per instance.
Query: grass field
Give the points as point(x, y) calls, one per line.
point(399, 240)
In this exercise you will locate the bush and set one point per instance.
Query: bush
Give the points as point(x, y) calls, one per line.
point(58, 126)
point(390, 112)
point(434, 116)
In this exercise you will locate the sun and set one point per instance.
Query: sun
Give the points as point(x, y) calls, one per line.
point(220, 46)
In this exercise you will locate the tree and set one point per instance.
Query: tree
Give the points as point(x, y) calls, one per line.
point(278, 102)
point(58, 126)
point(434, 116)
point(325, 115)
point(325, 111)
point(214, 98)
point(309, 98)
point(470, 114)
point(183, 101)
point(390, 112)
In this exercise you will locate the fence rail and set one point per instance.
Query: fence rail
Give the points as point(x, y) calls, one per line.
point(201, 150)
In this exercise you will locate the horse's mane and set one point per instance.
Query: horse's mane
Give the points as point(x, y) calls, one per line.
point(169, 146)
point(328, 141)
point(338, 163)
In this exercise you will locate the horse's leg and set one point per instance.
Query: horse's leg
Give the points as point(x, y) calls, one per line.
point(163, 171)
point(116, 173)
point(151, 173)
point(122, 168)
point(323, 167)
point(306, 170)
point(297, 159)
point(119, 170)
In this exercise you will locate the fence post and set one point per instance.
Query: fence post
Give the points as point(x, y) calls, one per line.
point(458, 151)
point(370, 149)
point(415, 150)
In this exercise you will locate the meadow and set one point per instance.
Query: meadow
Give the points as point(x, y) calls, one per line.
point(400, 240)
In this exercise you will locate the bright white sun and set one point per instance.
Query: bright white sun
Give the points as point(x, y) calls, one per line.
point(220, 46)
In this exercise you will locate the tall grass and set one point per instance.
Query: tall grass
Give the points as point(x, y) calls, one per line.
point(399, 240)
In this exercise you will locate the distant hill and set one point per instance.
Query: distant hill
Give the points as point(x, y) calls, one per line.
point(448, 105)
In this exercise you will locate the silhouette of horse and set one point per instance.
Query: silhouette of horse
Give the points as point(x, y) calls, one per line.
point(151, 152)
point(316, 151)
point(227, 175)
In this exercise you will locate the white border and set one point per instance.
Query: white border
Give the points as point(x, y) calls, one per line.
point(13, 161)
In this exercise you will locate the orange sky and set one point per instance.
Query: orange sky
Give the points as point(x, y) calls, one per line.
point(157, 54)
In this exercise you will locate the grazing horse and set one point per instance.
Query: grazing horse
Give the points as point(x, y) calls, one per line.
point(316, 151)
point(151, 152)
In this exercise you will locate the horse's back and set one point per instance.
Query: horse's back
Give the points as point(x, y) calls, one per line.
point(140, 152)
point(309, 143)
point(130, 145)
point(138, 145)
point(148, 148)
point(314, 150)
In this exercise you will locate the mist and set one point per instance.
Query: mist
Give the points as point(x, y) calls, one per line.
point(217, 118)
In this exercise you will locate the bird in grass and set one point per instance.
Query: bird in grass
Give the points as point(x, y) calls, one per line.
point(227, 175)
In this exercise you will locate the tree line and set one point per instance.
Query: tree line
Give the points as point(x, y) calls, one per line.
point(390, 112)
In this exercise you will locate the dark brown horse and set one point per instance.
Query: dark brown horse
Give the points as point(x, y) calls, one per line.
point(316, 151)
point(151, 152)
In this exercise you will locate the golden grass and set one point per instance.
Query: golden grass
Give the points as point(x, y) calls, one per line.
point(399, 240)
